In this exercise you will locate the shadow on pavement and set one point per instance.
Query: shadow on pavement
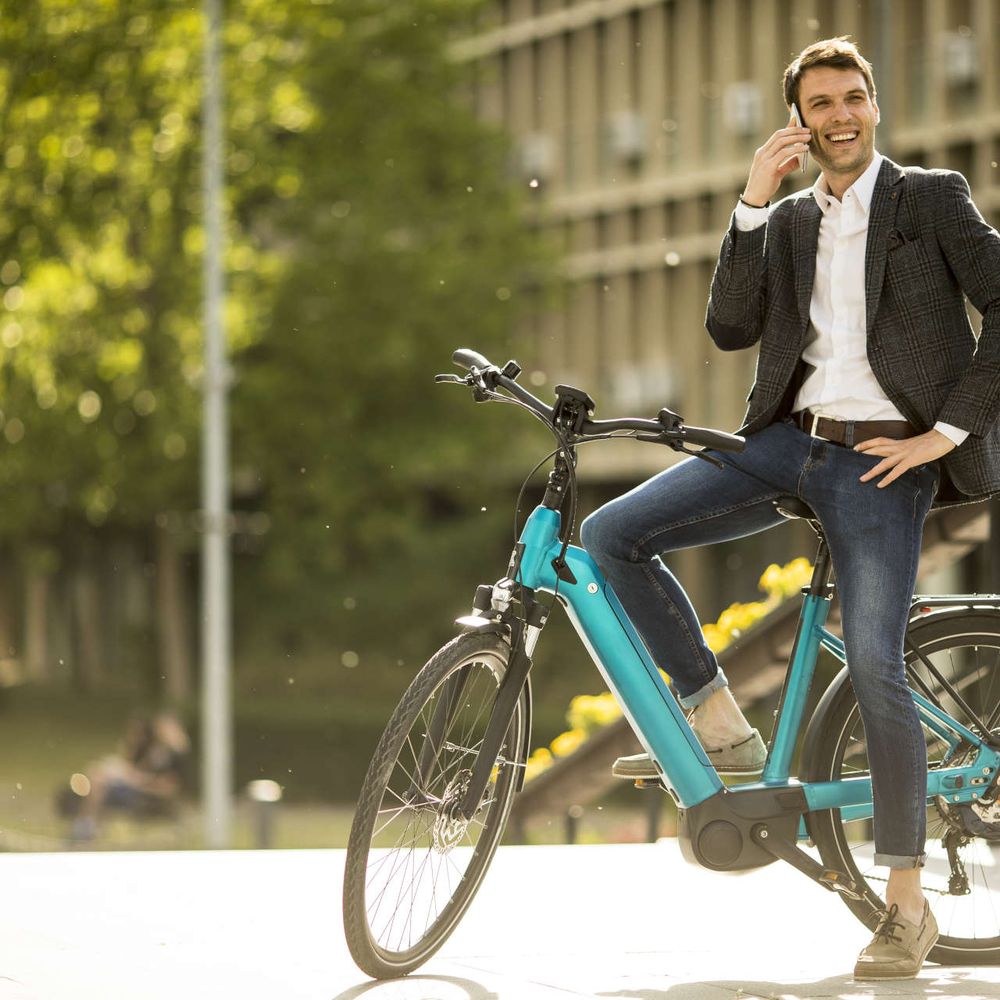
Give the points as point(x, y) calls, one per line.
point(419, 988)
point(931, 983)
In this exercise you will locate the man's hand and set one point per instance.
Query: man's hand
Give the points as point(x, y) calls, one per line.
point(774, 161)
point(900, 455)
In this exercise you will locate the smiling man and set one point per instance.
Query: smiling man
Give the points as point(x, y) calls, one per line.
point(873, 400)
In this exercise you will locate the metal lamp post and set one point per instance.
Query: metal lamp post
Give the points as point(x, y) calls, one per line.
point(216, 695)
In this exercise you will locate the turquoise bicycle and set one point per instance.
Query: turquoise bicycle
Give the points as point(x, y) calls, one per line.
point(438, 792)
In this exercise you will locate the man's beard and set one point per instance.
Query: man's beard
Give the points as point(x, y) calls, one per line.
point(865, 150)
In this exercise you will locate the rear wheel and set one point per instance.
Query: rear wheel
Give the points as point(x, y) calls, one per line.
point(961, 878)
point(414, 863)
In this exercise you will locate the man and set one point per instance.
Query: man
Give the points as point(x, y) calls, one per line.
point(872, 398)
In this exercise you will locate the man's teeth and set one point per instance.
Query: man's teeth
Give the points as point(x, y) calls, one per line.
point(843, 136)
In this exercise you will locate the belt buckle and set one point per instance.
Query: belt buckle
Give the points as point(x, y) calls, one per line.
point(816, 417)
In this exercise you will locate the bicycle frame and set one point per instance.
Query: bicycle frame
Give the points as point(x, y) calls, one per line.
point(657, 719)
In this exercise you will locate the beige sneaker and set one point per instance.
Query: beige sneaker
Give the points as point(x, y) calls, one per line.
point(745, 757)
point(899, 947)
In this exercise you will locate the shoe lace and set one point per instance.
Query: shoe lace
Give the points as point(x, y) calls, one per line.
point(887, 924)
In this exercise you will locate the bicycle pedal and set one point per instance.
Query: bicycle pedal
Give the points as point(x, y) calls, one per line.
point(839, 882)
point(645, 783)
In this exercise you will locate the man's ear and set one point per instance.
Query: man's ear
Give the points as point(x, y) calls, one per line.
point(878, 116)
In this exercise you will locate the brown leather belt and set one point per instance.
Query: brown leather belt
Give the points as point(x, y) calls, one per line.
point(851, 432)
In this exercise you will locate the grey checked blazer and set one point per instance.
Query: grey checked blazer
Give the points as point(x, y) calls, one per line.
point(928, 247)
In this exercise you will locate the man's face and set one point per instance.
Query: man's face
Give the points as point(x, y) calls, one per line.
point(837, 109)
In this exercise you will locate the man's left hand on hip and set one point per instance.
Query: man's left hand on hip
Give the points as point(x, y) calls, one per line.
point(900, 455)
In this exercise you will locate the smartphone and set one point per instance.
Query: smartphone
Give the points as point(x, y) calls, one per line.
point(798, 121)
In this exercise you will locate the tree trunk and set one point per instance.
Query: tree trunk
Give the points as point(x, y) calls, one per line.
point(87, 614)
point(171, 616)
point(36, 635)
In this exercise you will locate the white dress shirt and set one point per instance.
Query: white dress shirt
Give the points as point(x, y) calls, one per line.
point(840, 382)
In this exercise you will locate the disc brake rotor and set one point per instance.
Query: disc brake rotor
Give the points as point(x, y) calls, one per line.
point(450, 825)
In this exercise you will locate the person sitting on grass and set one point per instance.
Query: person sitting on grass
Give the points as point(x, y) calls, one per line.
point(144, 778)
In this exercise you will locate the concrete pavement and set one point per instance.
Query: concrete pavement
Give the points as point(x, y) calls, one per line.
point(623, 921)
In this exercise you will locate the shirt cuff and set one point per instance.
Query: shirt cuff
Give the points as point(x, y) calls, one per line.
point(748, 218)
point(951, 432)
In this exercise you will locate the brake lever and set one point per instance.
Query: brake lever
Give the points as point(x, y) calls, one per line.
point(702, 455)
point(475, 380)
point(678, 446)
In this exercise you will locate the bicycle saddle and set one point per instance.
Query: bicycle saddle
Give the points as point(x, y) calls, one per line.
point(793, 507)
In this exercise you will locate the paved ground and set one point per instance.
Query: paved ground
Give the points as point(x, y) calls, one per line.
point(551, 923)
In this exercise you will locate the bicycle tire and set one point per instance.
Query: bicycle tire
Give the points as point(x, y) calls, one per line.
point(966, 649)
point(411, 871)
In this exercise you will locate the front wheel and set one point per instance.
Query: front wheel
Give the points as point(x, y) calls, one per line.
point(414, 863)
point(961, 878)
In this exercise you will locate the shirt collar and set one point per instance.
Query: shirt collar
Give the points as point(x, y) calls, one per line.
point(863, 187)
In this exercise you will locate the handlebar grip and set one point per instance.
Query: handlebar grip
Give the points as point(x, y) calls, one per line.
point(468, 359)
point(708, 438)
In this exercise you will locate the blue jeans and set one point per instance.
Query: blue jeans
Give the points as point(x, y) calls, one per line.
point(874, 537)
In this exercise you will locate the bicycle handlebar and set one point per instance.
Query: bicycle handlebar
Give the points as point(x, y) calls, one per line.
point(705, 437)
point(468, 360)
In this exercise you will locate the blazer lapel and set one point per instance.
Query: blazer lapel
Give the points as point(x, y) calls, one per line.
point(805, 237)
point(881, 218)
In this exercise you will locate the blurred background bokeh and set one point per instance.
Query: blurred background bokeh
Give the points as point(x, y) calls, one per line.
point(541, 179)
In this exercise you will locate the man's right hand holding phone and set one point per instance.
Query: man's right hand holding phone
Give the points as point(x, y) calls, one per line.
point(777, 158)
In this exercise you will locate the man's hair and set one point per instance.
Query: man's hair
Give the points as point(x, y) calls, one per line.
point(840, 53)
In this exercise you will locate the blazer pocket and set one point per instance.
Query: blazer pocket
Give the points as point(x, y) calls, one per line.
point(913, 271)
point(904, 250)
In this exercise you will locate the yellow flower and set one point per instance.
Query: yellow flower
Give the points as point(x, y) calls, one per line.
point(717, 639)
point(771, 580)
point(785, 581)
point(564, 744)
point(539, 761)
point(590, 712)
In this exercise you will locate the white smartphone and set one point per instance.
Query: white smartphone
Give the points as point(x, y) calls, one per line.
point(798, 121)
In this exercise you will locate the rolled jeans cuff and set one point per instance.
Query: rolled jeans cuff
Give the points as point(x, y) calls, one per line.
point(717, 683)
point(900, 860)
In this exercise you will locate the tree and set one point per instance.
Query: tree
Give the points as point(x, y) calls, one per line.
point(372, 229)
point(406, 242)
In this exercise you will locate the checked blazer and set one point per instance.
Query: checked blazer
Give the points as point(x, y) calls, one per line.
point(928, 248)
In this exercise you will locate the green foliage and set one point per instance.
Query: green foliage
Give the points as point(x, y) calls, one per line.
point(371, 230)
point(98, 131)
point(407, 244)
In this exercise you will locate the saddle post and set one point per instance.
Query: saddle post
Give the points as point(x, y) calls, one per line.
point(817, 597)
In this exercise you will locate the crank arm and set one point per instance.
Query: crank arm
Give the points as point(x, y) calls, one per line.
point(828, 878)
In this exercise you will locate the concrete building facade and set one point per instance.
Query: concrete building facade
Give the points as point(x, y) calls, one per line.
point(634, 124)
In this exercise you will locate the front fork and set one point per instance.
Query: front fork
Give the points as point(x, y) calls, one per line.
point(495, 610)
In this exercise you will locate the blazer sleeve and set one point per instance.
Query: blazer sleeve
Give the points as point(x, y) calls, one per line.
point(739, 289)
point(972, 249)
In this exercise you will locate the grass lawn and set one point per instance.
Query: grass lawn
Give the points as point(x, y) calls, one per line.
point(45, 737)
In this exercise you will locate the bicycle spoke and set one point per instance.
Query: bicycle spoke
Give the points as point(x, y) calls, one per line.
point(422, 860)
point(968, 689)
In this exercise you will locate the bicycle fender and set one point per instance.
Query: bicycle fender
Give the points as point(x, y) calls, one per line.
point(525, 748)
point(473, 623)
